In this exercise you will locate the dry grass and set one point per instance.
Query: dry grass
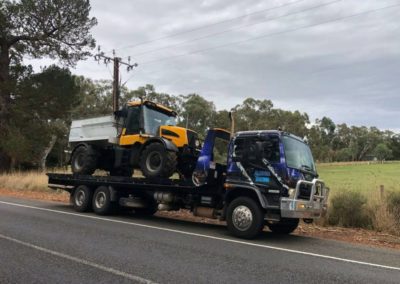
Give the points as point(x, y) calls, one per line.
point(29, 181)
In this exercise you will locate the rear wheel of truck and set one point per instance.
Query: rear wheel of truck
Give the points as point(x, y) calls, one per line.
point(284, 226)
point(156, 161)
point(245, 218)
point(82, 198)
point(102, 203)
point(84, 160)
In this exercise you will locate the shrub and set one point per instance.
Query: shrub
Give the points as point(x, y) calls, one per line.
point(349, 209)
point(393, 205)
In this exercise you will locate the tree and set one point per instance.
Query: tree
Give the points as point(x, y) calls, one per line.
point(382, 151)
point(36, 28)
point(95, 98)
point(42, 105)
point(198, 114)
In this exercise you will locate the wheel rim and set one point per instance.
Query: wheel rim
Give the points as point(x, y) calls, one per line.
point(153, 161)
point(242, 218)
point(80, 197)
point(100, 199)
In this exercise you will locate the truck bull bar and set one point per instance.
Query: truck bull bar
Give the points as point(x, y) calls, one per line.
point(303, 208)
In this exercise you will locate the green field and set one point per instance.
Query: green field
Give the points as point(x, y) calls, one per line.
point(361, 177)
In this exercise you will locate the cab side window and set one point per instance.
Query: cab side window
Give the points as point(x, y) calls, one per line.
point(133, 121)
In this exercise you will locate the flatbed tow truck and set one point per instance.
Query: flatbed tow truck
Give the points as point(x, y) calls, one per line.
point(266, 178)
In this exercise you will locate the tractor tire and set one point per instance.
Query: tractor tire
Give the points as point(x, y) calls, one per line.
point(156, 161)
point(284, 226)
point(245, 218)
point(84, 160)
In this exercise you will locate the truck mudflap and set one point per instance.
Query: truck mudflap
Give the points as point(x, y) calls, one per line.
point(296, 206)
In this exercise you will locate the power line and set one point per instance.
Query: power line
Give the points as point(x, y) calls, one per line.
point(235, 28)
point(207, 26)
point(272, 34)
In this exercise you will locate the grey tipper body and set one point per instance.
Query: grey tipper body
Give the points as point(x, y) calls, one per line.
point(102, 129)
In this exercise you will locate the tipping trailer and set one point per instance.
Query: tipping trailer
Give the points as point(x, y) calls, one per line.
point(253, 179)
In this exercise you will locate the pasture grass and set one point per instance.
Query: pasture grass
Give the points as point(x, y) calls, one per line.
point(364, 177)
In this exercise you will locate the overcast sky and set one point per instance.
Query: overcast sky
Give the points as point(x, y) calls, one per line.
point(348, 69)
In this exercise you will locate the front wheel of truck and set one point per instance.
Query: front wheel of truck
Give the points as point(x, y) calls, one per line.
point(245, 218)
point(284, 226)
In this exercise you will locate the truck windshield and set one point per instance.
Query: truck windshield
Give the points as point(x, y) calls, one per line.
point(154, 118)
point(298, 154)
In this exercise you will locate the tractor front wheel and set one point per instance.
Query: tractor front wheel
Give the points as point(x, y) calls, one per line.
point(156, 161)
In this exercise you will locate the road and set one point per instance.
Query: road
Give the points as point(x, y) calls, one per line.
point(43, 242)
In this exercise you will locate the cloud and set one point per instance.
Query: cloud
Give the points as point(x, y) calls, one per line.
point(346, 69)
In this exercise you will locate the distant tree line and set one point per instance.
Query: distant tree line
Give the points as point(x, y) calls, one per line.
point(46, 102)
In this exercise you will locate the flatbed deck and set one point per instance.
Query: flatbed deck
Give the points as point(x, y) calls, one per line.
point(69, 181)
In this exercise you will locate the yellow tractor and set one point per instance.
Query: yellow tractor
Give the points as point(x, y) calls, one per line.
point(142, 135)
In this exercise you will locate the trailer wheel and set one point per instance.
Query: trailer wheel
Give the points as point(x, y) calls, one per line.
point(245, 218)
point(284, 226)
point(82, 198)
point(102, 203)
point(84, 160)
point(156, 161)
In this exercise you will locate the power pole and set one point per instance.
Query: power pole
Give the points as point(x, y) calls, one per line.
point(116, 85)
point(117, 63)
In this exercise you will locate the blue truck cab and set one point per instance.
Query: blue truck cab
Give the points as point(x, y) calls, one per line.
point(274, 168)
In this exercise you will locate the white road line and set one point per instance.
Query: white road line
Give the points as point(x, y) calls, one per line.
point(79, 260)
point(208, 237)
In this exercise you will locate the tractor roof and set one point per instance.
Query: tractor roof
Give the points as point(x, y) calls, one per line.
point(154, 105)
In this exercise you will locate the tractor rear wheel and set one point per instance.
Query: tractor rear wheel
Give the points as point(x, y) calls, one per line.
point(156, 161)
point(84, 160)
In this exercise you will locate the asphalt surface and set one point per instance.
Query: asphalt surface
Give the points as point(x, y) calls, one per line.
point(42, 242)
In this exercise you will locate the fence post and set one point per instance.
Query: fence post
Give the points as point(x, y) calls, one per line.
point(382, 191)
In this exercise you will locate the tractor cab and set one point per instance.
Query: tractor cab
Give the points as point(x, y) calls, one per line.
point(144, 118)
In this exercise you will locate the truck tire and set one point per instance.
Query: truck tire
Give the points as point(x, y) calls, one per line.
point(102, 204)
point(284, 226)
point(84, 160)
point(156, 161)
point(245, 218)
point(82, 198)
